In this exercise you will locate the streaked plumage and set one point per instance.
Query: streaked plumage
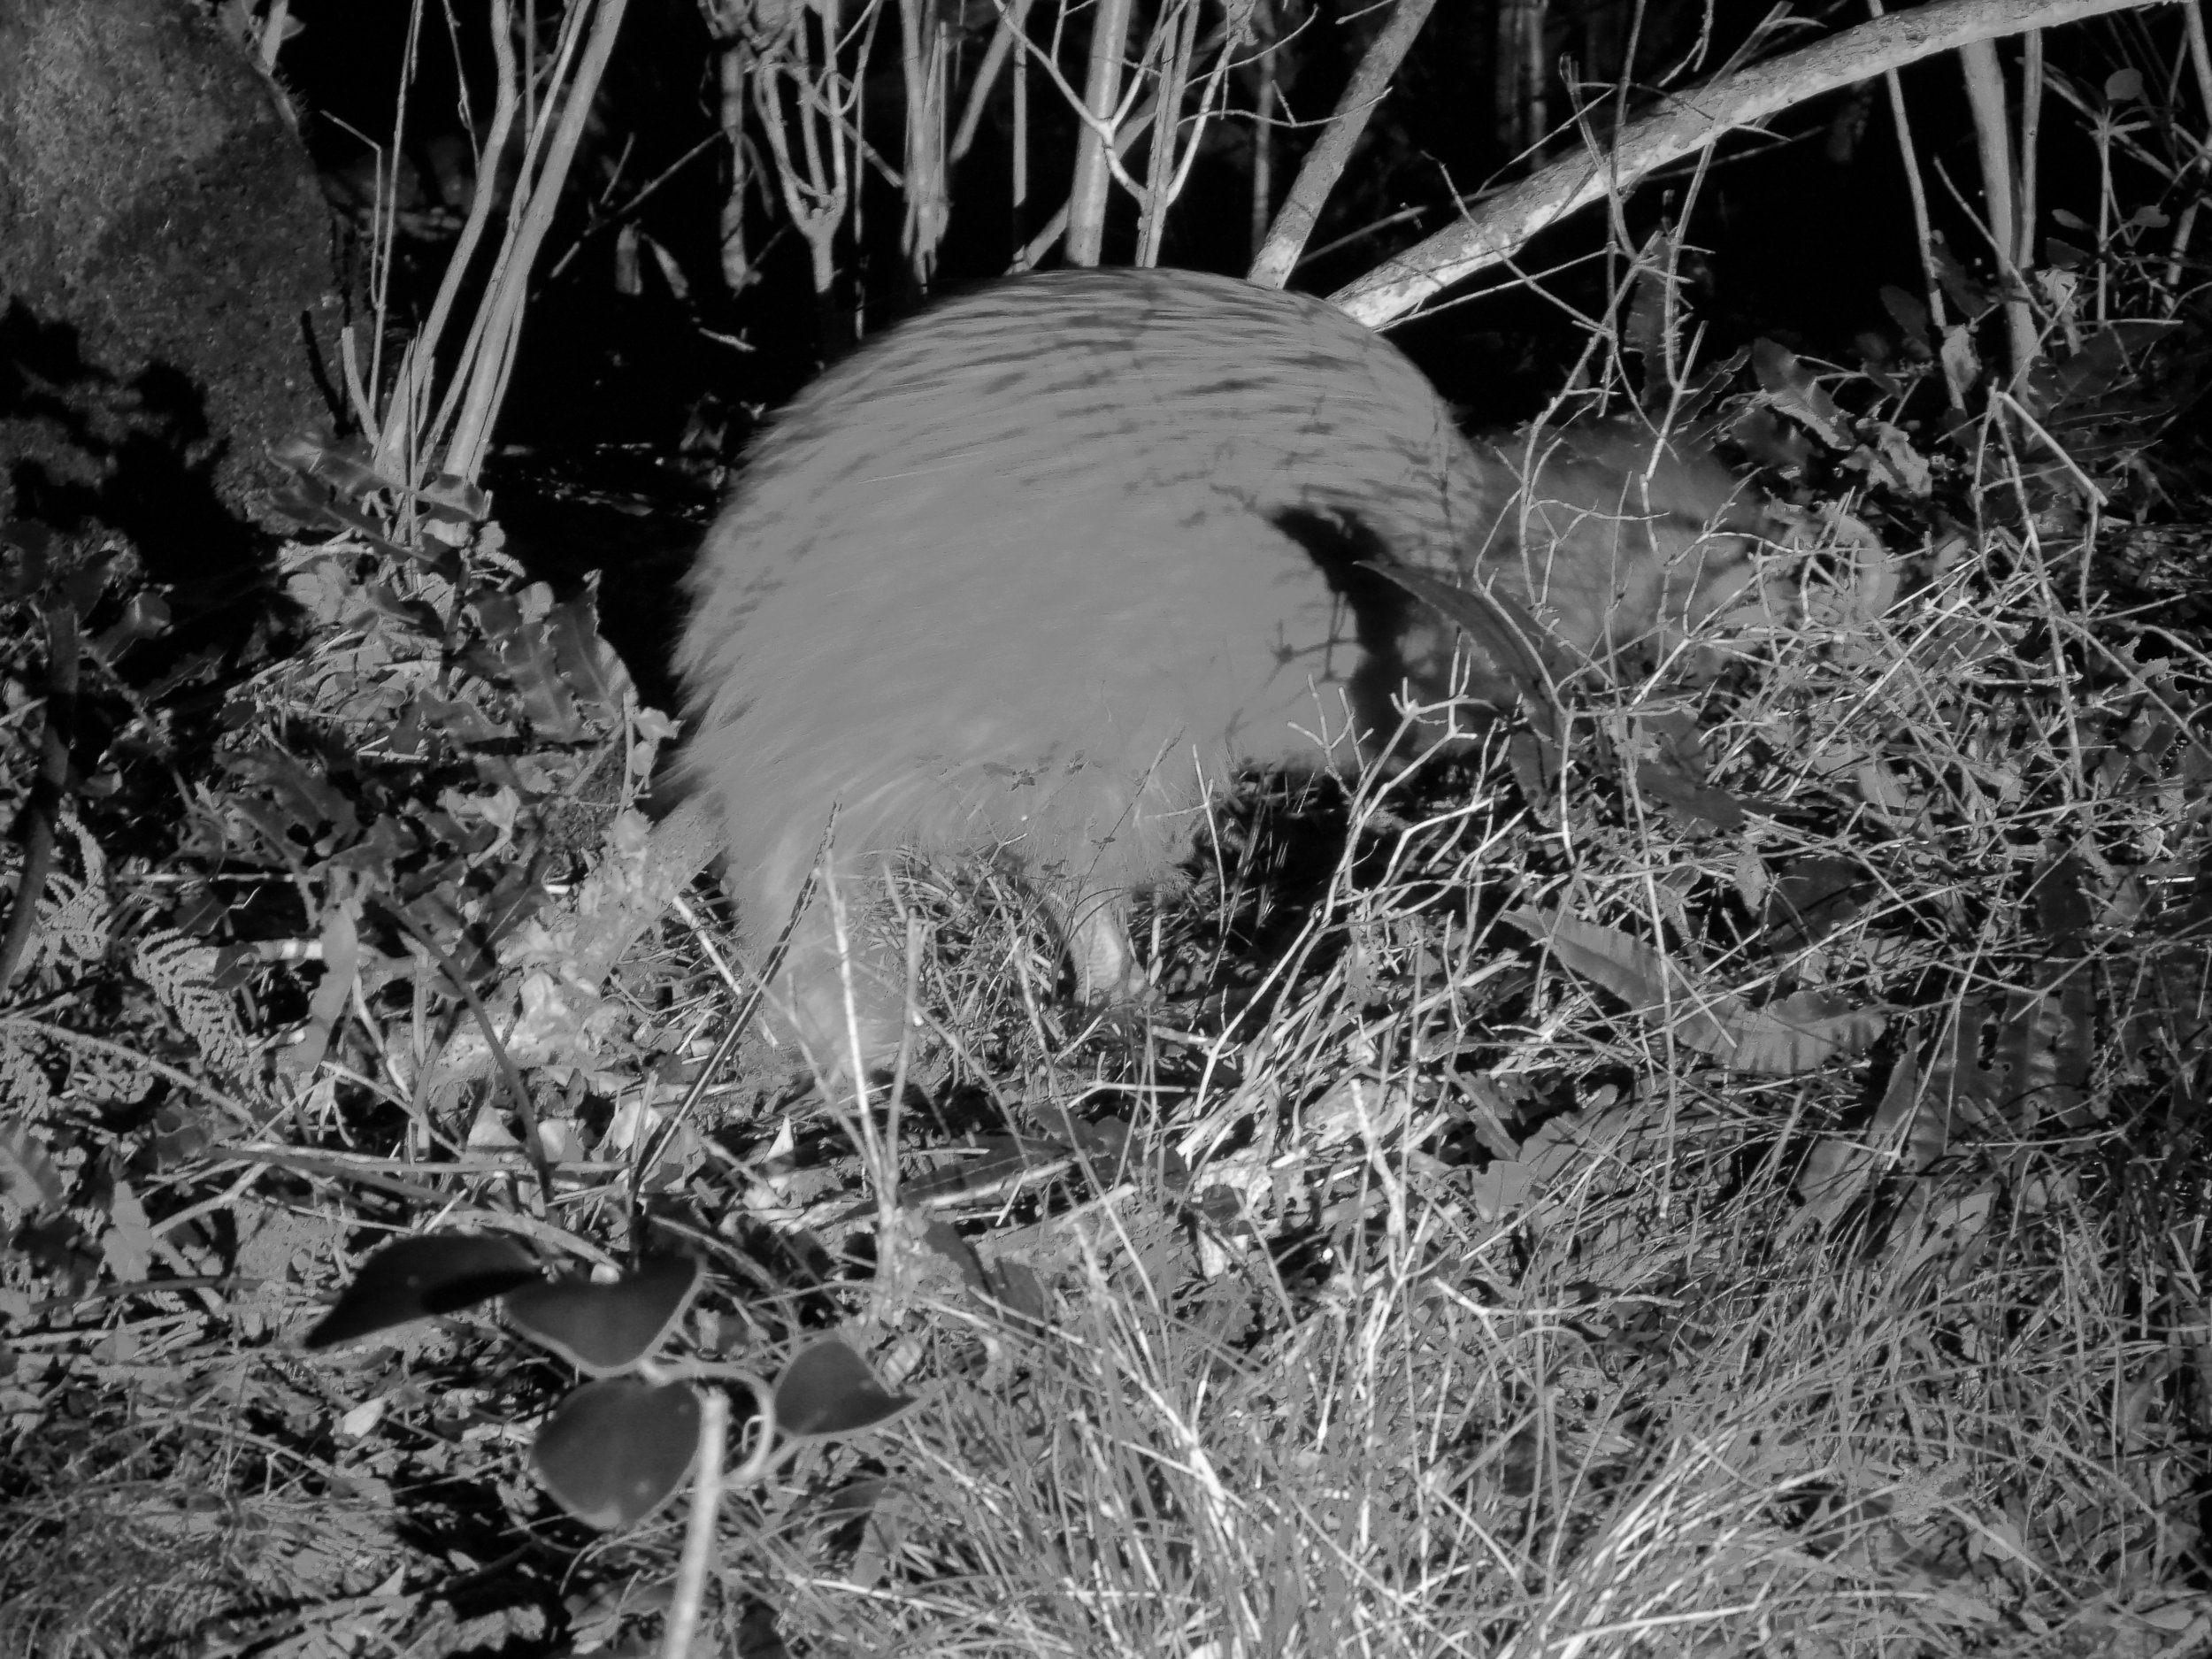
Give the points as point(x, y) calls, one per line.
point(1033, 572)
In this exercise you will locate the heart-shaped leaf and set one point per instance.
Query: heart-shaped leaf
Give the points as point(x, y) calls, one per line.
point(618, 1448)
point(604, 1329)
point(828, 1389)
point(412, 1279)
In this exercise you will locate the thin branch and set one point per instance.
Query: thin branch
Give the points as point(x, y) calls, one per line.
point(1993, 138)
point(1684, 124)
point(1012, 19)
point(1087, 195)
point(1325, 163)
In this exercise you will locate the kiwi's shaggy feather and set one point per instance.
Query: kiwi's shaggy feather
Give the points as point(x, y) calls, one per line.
point(1031, 574)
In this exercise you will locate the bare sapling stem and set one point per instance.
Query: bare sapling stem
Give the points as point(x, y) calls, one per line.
point(1325, 163)
point(1101, 91)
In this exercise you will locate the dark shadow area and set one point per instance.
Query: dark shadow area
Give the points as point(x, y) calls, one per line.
point(89, 448)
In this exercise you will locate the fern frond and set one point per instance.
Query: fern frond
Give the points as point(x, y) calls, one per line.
point(179, 971)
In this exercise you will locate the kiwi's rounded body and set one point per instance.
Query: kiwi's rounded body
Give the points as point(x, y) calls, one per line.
point(1032, 573)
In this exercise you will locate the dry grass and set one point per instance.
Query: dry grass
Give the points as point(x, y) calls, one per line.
point(1731, 1183)
point(1477, 1313)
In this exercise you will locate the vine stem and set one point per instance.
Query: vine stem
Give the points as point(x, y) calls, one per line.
point(706, 1504)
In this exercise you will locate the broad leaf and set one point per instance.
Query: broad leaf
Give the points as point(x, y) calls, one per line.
point(606, 1329)
point(618, 1448)
point(413, 1278)
point(828, 1389)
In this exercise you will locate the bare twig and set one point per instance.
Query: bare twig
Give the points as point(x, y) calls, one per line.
point(816, 198)
point(1178, 32)
point(1012, 18)
point(1917, 191)
point(491, 357)
point(928, 194)
point(1087, 195)
point(1325, 163)
point(423, 351)
point(1992, 139)
point(1686, 123)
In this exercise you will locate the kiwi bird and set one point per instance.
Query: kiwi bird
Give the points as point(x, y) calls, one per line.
point(1028, 576)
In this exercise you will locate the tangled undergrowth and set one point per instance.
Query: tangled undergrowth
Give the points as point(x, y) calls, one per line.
point(1721, 1169)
